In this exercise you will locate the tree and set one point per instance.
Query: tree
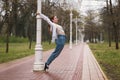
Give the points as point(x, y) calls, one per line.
point(92, 28)
point(7, 23)
point(20, 18)
point(114, 23)
point(111, 20)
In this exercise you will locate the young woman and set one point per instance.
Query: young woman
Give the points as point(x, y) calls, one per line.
point(58, 36)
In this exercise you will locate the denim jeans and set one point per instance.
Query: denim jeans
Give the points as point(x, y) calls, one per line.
point(59, 46)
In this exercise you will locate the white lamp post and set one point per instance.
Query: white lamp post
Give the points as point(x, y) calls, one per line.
point(76, 29)
point(70, 44)
point(76, 20)
point(79, 35)
point(38, 64)
point(83, 35)
point(68, 6)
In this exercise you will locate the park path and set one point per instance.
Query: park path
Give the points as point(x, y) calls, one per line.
point(77, 63)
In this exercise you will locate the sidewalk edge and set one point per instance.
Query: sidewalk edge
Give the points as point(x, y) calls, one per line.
point(104, 75)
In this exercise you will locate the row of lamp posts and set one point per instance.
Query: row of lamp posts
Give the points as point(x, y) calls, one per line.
point(76, 21)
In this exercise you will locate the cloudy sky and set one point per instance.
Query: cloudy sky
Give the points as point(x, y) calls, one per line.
point(90, 4)
point(84, 5)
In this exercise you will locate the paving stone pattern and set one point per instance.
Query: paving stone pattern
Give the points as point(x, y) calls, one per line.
point(77, 63)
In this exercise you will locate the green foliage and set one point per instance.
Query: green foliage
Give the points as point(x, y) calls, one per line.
point(2, 39)
point(108, 58)
point(13, 39)
point(47, 46)
point(17, 50)
point(20, 50)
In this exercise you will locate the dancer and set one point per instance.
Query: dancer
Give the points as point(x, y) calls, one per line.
point(58, 36)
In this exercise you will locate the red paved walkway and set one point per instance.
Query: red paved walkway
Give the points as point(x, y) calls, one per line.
point(72, 64)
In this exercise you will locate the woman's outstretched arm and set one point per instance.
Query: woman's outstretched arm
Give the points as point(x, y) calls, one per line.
point(52, 26)
point(47, 19)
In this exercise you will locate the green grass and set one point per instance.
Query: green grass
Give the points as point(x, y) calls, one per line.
point(108, 58)
point(13, 39)
point(20, 50)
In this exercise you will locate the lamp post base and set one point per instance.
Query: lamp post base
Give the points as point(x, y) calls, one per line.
point(70, 45)
point(38, 66)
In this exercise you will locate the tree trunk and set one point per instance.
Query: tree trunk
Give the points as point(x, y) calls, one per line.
point(30, 43)
point(7, 43)
point(109, 35)
point(109, 30)
point(116, 35)
point(114, 26)
point(6, 22)
point(14, 16)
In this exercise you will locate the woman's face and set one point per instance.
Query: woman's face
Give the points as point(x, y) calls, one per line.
point(55, 19)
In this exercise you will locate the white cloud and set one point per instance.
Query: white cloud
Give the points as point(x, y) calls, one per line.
point(91, 4)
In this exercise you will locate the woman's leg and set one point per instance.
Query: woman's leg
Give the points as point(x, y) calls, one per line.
point(59, 46)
